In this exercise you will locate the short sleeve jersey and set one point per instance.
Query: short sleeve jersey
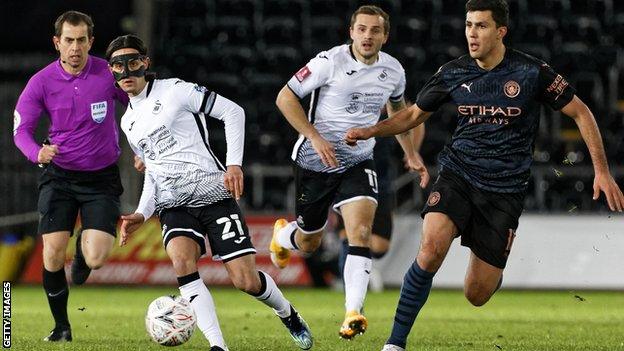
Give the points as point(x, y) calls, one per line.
point(346, 93)
point(497, 116)
point(165, 126)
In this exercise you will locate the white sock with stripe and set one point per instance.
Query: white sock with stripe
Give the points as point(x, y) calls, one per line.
point(356, 276)
point(193, 289)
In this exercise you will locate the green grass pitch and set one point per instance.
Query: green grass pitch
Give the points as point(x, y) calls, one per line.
point(112, 319)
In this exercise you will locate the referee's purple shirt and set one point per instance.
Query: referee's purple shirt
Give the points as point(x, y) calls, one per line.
point(82, 115)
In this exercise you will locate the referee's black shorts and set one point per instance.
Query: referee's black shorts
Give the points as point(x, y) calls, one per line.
point(64, 193)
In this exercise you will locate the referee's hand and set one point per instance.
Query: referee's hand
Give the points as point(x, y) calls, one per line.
point(47, 153)
point(130, 223)
point(233, 181)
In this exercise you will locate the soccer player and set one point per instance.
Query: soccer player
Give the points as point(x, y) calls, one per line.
point(485, 169)
point(193, 193)
point(349, 85)
point(79, 165)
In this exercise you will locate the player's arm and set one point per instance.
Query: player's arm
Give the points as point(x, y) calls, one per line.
point(314, 75)
point(131, 222)
point(233, 117)
point(198, 99)
point(407, 140)
point(400, 122)
point(25, 118)
point(603, 181)
point(290, 106)
point(434, 94)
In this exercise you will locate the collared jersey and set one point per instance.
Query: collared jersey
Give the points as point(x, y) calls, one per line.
point(497, 116)
point(166, 126)
point(82, 115)
point(346, 93)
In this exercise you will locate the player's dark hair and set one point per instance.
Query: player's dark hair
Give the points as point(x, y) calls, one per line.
point(126, 41)
point(74, 18)
point(372, 10)
point(499, 8)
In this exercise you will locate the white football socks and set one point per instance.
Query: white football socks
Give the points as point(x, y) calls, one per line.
point(197, 293)
point(356, 275)
point(272, 296)
point(284, 236)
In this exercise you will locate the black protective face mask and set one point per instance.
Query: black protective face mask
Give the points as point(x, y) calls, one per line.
point(126, 61)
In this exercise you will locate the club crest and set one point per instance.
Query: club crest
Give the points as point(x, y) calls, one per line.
point(511, 89)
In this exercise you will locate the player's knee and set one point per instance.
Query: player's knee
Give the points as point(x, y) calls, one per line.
point(183, 264)
point(477, 296)
point(96, 261)
point(360, 235)
point(247, 283)
point(431, 254)
point(53, 257)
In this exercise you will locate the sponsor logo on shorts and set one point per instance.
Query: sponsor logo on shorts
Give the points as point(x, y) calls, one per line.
point(300, 221)
point(434, 198)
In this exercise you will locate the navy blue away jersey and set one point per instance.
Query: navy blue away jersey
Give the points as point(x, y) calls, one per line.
point(498, 115)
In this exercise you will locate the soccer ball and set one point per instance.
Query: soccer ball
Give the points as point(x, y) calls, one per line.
point(170, 320)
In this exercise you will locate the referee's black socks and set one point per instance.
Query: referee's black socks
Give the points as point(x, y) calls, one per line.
point(57, 291)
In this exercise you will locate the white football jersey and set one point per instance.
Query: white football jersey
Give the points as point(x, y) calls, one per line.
point(166, 127)
point(346, 93)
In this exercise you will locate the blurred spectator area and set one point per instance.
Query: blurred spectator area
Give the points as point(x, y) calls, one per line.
point(247, 50)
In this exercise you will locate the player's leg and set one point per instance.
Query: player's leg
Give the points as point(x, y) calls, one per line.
point(98, 194)
point(446, 214)
point(184, 244)
point(245, 276)
point(380, 239)
point(482, 280)
point(315, 193)
point(356, 201)
point(96, 247)
point(58, 211)
point(358, 217)
point(230, 241)
point(493, 229)
point(55, 283)
point(438, 234)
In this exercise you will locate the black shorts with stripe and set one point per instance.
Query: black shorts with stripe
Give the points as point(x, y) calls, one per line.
point(221, 224)
point(486, 221)
point(317, 191)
